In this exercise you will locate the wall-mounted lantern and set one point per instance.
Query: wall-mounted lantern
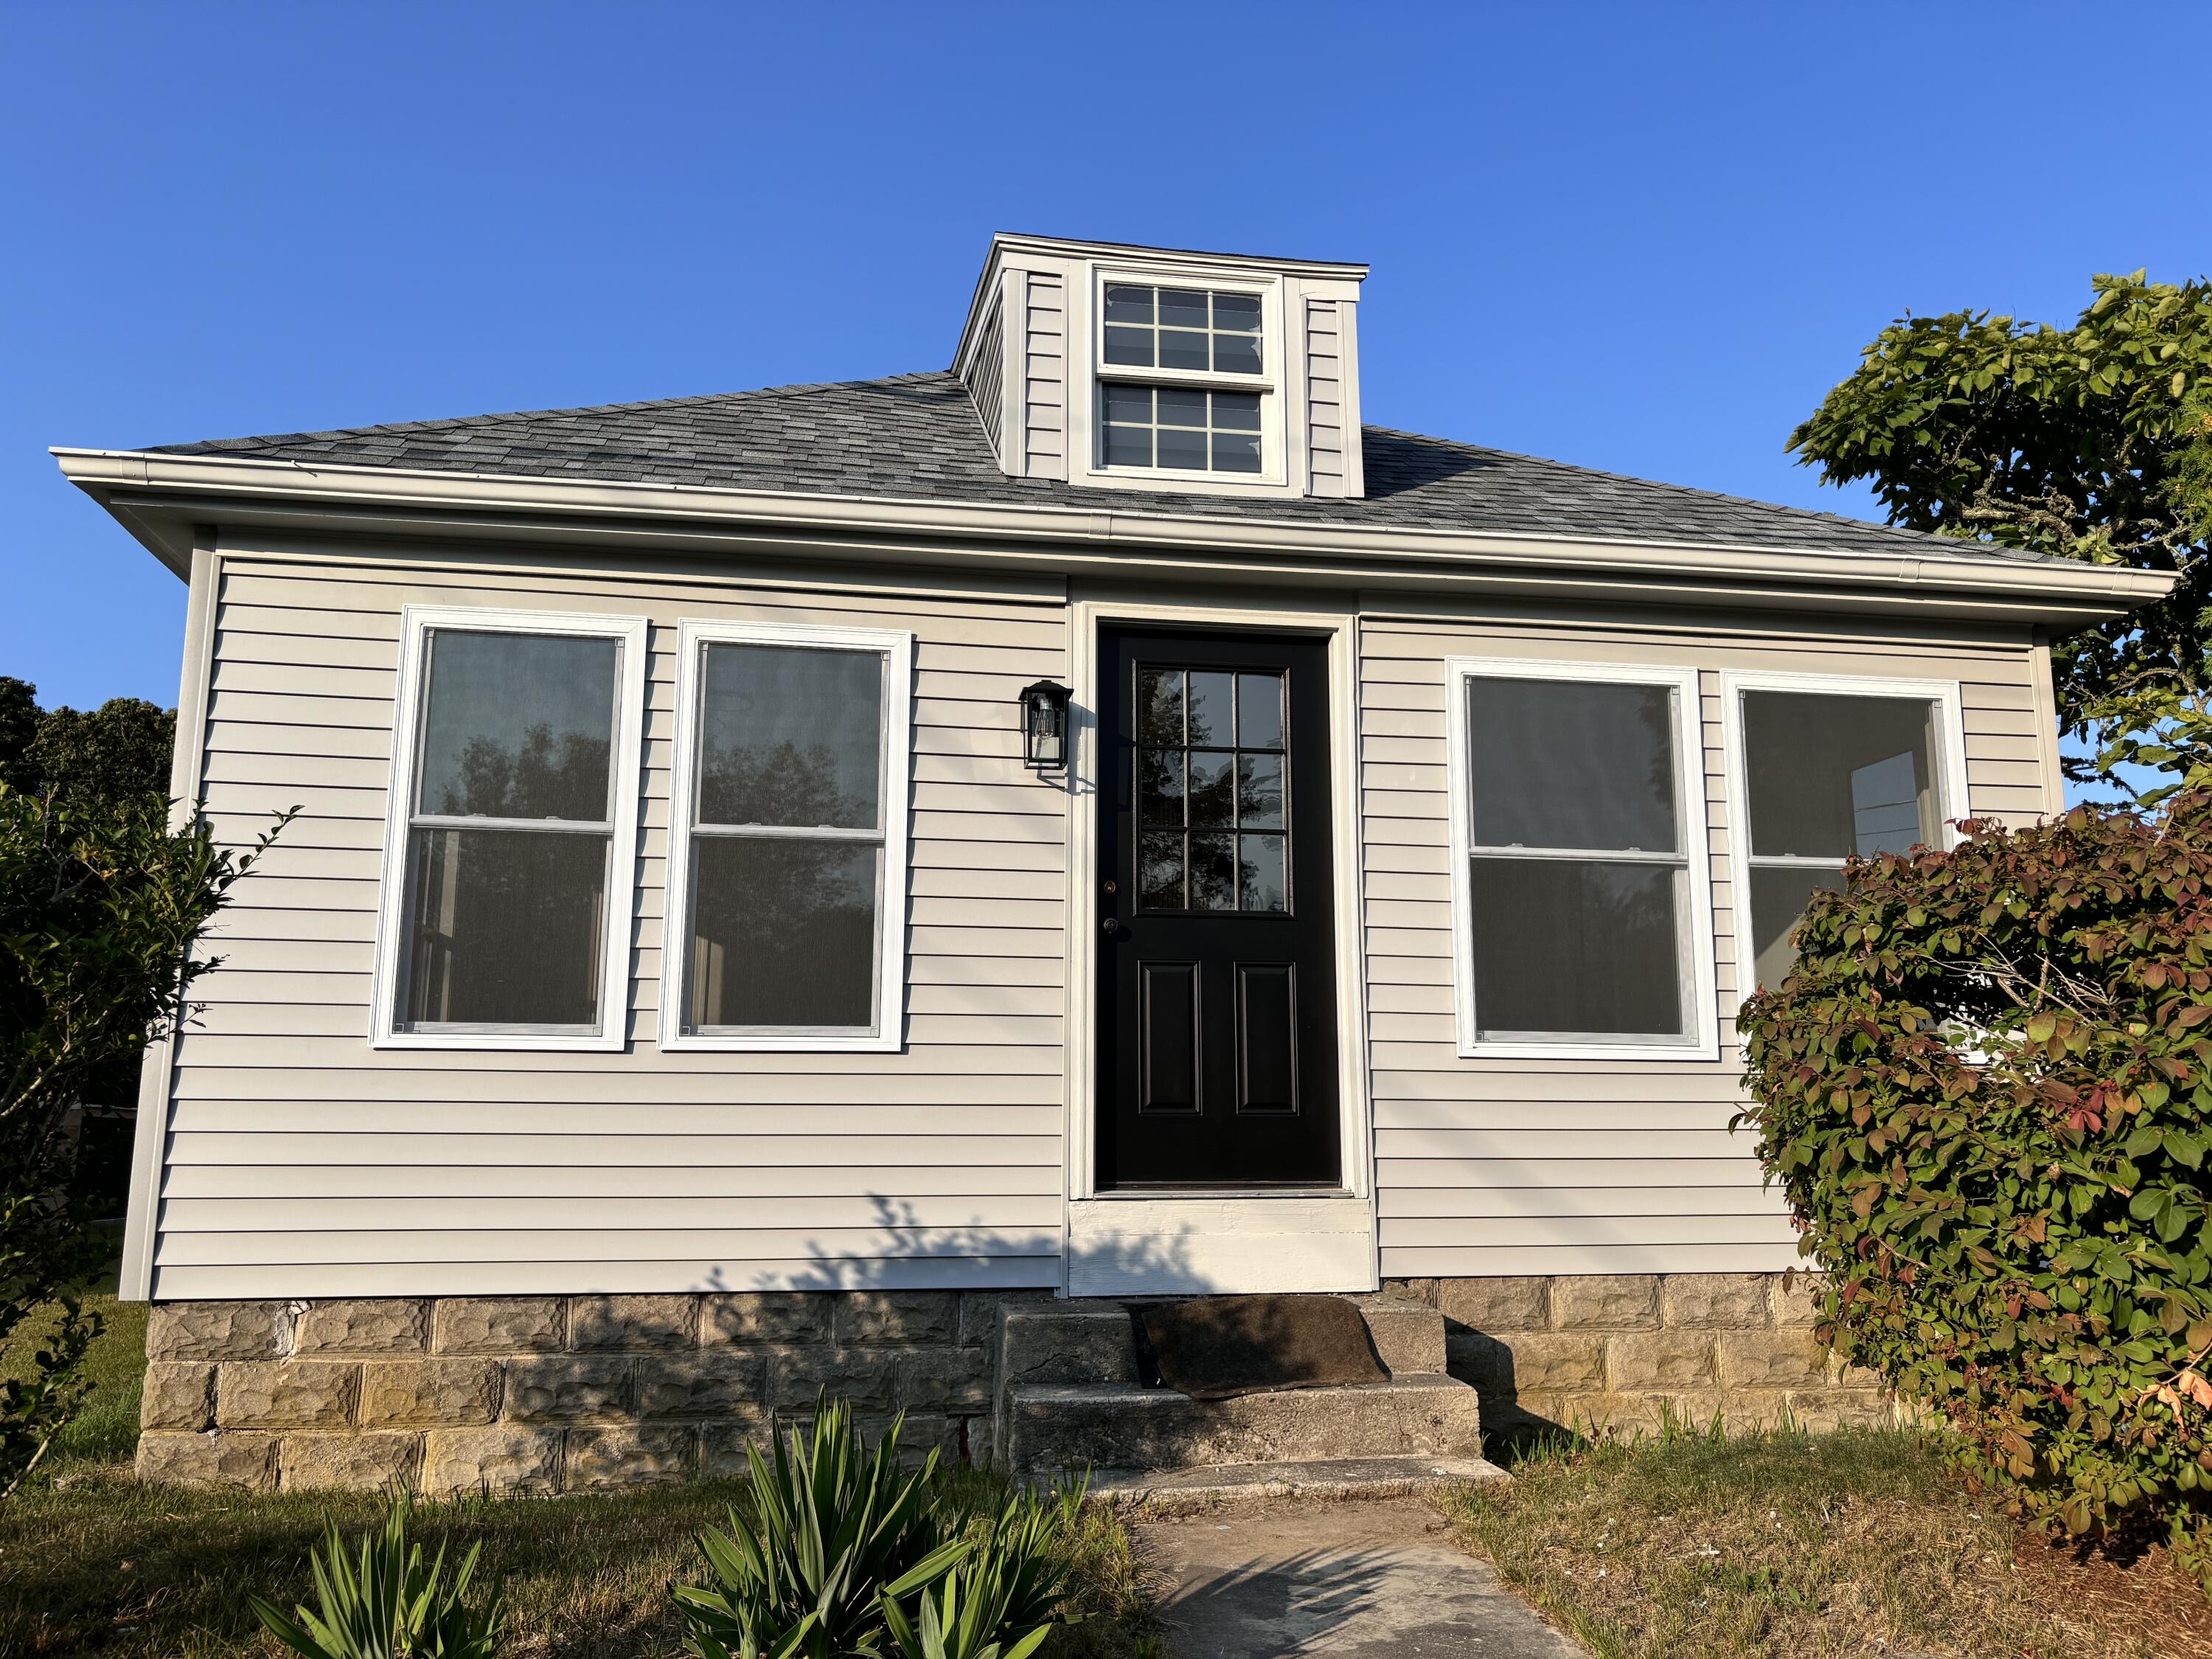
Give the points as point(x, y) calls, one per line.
point(1044, 727)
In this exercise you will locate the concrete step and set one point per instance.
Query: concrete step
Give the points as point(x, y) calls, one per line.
point(1090, 1340)
point(1049, 1427)
point(1169, 1491)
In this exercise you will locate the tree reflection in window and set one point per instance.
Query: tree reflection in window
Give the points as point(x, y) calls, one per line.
point(787, 842)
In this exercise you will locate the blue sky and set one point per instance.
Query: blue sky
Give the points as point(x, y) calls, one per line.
point(1640, 238)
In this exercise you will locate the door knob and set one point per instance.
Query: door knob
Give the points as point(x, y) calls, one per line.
point(1113, 927)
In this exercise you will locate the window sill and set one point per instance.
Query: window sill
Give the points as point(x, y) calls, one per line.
point(868, 1043)
point(1486, 1048)
point(572, 1042)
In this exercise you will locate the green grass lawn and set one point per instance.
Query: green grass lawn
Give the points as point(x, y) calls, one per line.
point(105, 1429)
point(1794, 1545)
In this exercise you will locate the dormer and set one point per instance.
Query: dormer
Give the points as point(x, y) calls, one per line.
point(1152, 369)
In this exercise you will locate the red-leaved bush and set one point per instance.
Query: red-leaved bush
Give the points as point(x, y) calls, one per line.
point(1986, 1089)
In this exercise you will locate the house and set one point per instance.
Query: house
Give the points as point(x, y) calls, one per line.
point(832, 885)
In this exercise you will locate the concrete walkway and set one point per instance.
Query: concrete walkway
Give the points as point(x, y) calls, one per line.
point(1380, 1580)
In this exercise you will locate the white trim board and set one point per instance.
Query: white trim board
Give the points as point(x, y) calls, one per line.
point(1702, 1029)
point(1221, 1242)
point(1949, 759)
point(896, 648)
point(157, 1071)
point(626, 763)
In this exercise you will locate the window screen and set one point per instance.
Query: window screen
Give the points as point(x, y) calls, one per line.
point(1578, 877)
point(510, 834)
point(786, 840)
point(1829, 777)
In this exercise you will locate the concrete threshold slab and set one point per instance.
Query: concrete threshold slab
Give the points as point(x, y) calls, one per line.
point(1354, 1581)
point(1329, 1477)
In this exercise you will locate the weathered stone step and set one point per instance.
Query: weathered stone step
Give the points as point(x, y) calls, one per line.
point(1049, 1427)
point(1170, 1490)
point(1089, 1341)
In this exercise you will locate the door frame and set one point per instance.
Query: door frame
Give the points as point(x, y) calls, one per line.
point(1117, 1243)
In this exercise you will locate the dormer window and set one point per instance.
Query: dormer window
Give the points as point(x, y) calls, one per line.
point(1200, 329)
point(1166, 371)
point(1183, 428)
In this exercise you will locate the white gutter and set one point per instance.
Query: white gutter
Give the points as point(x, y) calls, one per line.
point(117, 478)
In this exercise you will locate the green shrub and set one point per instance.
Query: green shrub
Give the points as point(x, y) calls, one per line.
point(1985, 1089)
point(388, 1605)
point(835, 1539)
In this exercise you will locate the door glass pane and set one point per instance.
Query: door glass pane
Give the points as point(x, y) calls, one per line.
point(1260, 884)
point(1260, 711)
point(1833, 775)
point(783, 933)
point(1159, 870)
point(1573, 946)
point(1211, 715)
point(1214, 872)
point(1212, 789)
point(508, 927)
point(1159, 705)
point(1779, 894)
point(1260, 792)
point(1159, 787)
point(518, 726)
point(791, 737)
point(1566, 764)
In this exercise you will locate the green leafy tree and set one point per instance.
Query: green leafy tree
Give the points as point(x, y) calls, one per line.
point(2090, 442)
point(101, 904)
point(120, 749)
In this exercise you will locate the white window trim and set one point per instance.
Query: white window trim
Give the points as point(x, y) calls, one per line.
point(1272, 383)
point(1701, 1040)
point(888, 1036)
point(415, 622)
point(1949, 760)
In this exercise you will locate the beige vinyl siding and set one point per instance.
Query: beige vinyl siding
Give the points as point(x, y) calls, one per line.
point(1044, 380)
point(302, 1163)
point(1503, 1165)
point(986, 377)
point(1325, 400)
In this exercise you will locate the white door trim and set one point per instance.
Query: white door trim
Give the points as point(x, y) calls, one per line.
point(1117, 1245)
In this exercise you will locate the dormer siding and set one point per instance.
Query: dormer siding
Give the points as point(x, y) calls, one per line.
point(1051, 388)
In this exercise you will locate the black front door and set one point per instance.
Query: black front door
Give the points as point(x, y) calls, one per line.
point(1217, 1017)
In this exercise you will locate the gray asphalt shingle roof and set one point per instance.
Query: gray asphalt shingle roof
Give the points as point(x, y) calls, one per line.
point(916, 436)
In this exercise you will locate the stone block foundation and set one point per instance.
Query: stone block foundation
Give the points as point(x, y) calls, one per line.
point(1619, 1350)
point(545, 1393)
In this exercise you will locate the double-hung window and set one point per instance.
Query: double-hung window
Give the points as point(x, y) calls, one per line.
point(1827, 769)
point(510, 854)
point(786, 889)
point(1581, 890)
point(1184, 379)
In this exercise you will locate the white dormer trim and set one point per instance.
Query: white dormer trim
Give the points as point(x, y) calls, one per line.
point(1035, 330)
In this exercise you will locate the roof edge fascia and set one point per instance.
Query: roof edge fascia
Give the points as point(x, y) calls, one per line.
point(102, 473)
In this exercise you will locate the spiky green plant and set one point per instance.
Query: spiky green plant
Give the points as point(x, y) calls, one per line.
point(833, 1529)
point(386, 1604)
point(1004, 1596)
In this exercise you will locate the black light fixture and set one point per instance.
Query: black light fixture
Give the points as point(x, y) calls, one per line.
point(1044, 725)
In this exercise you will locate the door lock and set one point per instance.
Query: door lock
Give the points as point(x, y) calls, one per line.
point(1112, 886)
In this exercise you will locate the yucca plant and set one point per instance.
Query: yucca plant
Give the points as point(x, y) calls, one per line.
point(386, 1604)
point(1003, 1598)
point(833, 1529)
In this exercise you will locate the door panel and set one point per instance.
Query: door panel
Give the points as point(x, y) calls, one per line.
point(1216, 1013)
